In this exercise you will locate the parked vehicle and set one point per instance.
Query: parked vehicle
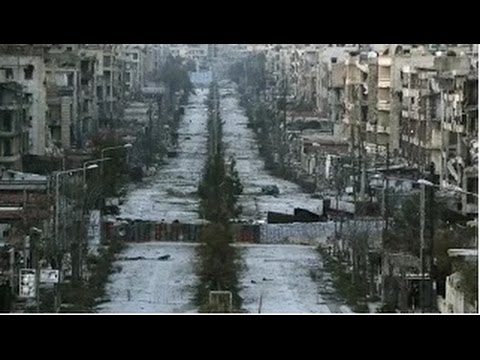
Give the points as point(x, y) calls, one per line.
point(270, 190)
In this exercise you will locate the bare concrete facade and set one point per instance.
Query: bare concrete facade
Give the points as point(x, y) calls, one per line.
point(28, 70)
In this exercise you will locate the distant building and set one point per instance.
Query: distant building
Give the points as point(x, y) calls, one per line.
point(25, 66)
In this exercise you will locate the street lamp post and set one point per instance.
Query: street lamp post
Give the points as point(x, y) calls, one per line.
point(424, 183)
point(57, 216)
point(422, 244)
point(36, 263)
point(86, 164)
point(126, 146)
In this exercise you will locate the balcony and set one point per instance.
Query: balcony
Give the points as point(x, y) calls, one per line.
point(56, 121)
point(370, 127)
point(435, 142)
point(14, 106)
point(10, 158)
point(55, 91)
point(383, 129)
point(459, 128)
point(406, 92)
point(447, 126)
point(470, 209)
point(10, 133)
point(86, 93)
point(412, 114)
point(384, 61)
point(383, 105)
point(384, 83)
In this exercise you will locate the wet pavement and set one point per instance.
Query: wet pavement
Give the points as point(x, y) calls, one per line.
point(276, 279)
point(144, 284)
point(170, 194)
point(286, 279)
point(240, 142)
point(292, 284)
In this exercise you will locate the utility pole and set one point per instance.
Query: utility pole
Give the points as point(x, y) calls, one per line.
point(56, 247)
point(431, 217)
point(36, 263)
point(284, 123)
point(160, 117)
point(422, 245)
point(150, 122)
point(362, 153)
point(409, 109)
point(353, 162)
point(387, 183)
point(59, 245)
point(246, 73)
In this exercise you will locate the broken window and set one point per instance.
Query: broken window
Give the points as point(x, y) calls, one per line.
point(135, 56)
point(364, 113)
point(28, 72)
point(9, 73)
point(84, 66)
point(6, 123)
point(70, 79)
point(107, 61)
point(54, 114)
point(7, 147)
point(99, 93)
point(472, 186)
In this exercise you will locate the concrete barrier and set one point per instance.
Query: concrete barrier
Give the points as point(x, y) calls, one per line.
point(294, 233)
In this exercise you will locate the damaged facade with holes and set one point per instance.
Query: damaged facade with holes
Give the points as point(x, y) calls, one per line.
point(63, 85)
point(456, 300)
point(317, 153)
point(14, 104)
point(24, 105)
point(440, 124)
point(109, 82)
point(25, 215)
point(134, 74)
